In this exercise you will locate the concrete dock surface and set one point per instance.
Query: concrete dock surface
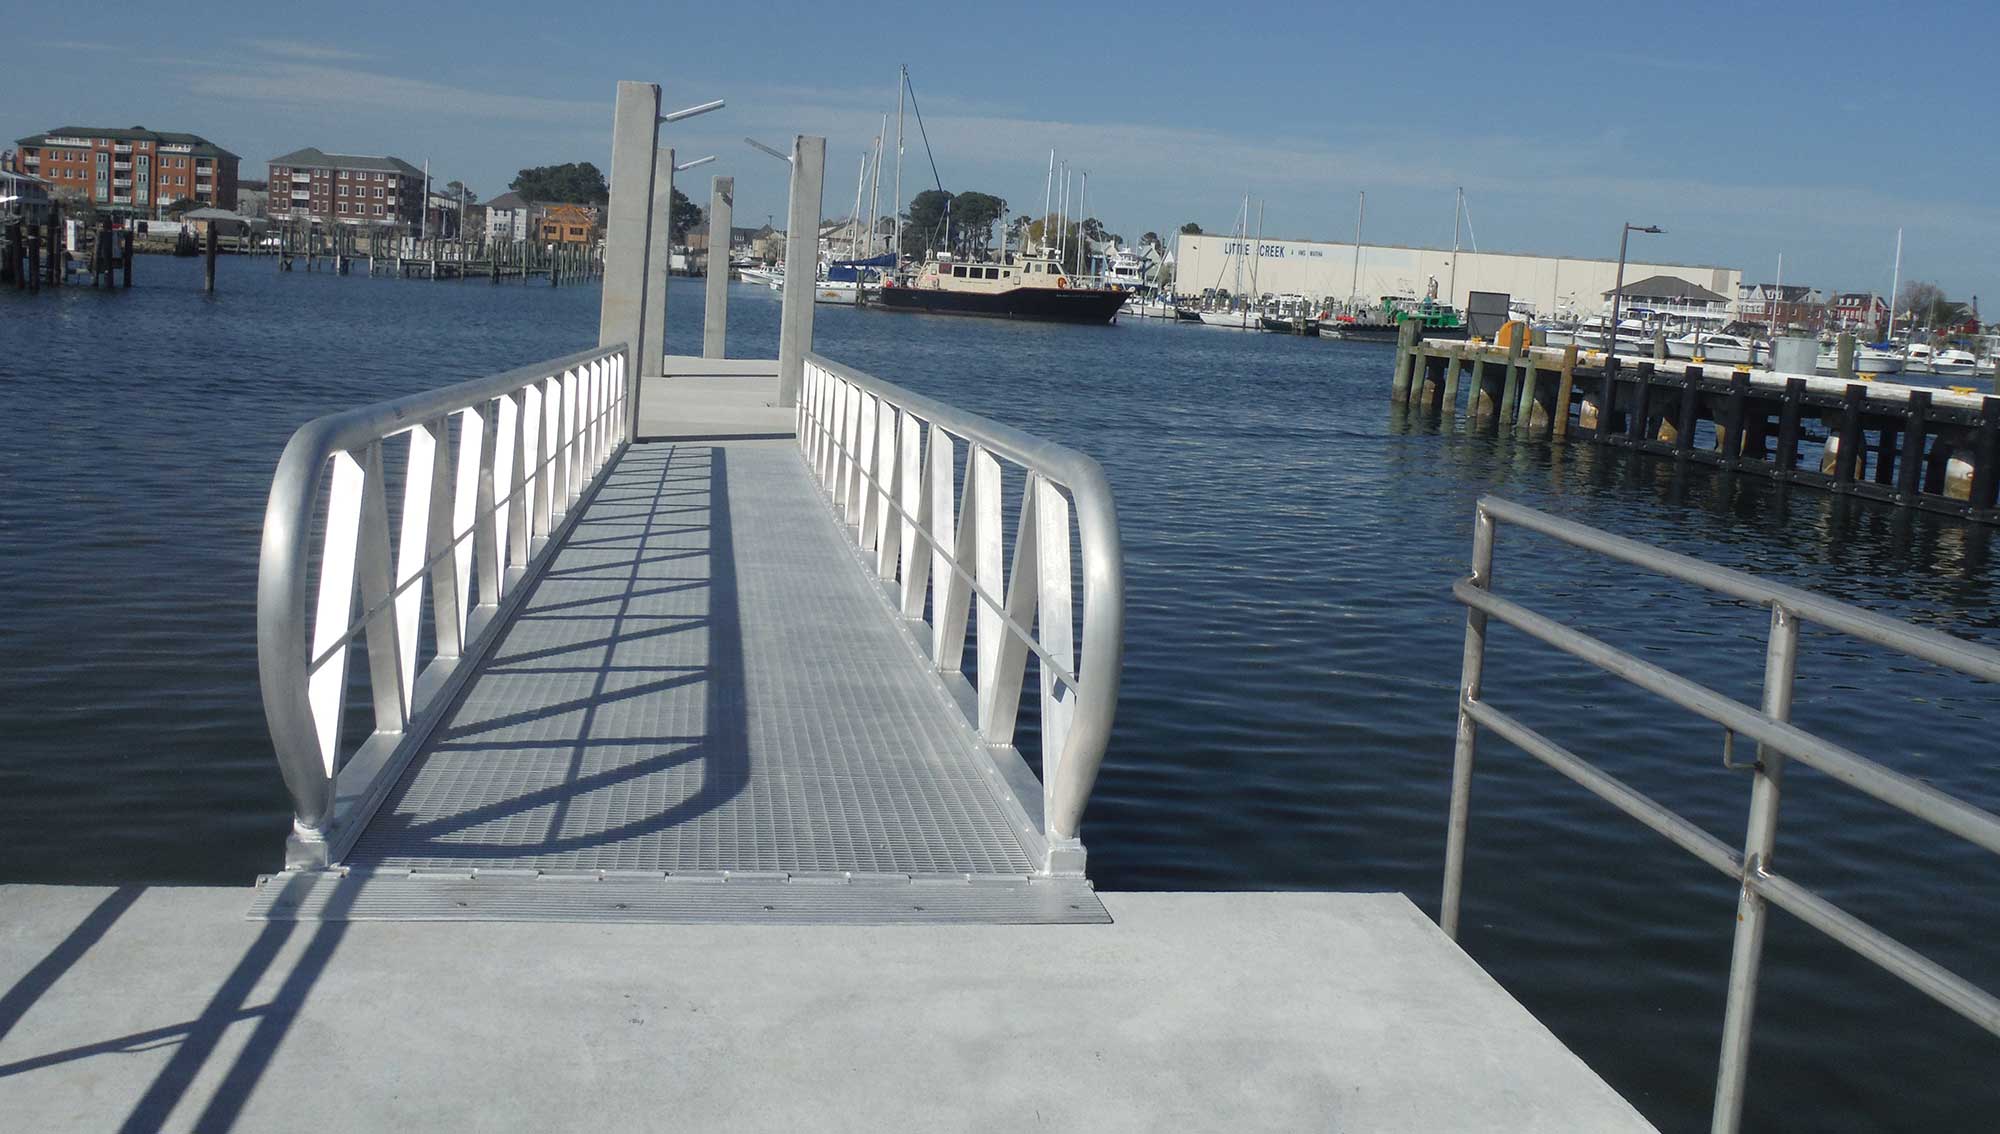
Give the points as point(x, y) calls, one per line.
point(145, 1008)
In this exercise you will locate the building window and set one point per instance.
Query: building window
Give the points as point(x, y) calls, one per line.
point(343, 190)
point(378, 210)
point(378, 192)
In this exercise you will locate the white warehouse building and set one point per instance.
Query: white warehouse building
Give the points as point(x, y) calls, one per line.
point(1321, 270)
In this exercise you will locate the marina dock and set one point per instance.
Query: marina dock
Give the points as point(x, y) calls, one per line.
point(708, 742)
point(1910, 446)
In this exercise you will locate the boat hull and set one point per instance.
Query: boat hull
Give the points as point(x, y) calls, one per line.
point(1049, 305)
point(1382, 332)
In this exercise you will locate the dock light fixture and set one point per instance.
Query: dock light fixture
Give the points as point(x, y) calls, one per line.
point(691, 111)
point(783, 157)
point(1617, 290)
point(687, 165)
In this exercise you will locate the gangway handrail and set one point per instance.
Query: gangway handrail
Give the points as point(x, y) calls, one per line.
point(1777, 741)
point(481, 511)
point(887, 457)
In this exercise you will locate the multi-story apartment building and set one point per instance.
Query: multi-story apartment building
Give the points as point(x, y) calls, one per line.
point(346, 189)
point(138, 172)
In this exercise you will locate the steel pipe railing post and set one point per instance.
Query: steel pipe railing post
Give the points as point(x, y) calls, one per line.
point(1467, 738)
point(1780, 661)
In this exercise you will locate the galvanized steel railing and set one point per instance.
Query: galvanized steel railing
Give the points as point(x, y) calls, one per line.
point(1777, 741)
point(888, 458)
point(481, 505)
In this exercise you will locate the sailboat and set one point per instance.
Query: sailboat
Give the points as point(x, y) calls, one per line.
point(1240, 318)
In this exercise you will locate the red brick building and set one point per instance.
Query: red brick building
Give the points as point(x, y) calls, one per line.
point(345, 189)
point(136, 171)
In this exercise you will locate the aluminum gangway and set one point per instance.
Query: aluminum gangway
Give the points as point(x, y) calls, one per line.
point(715, 677)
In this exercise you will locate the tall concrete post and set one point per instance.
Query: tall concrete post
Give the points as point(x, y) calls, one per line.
point(621, 314)
point(715, 312)
point(795, 333)
point(660, 238)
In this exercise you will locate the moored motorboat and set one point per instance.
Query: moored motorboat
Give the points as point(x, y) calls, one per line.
point(1022, 286)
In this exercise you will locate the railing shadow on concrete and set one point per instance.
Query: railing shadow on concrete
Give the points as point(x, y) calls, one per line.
point(921, 485)
point(1778, 742)
point(719, 750)
point(196, 1041)
point(482, 479)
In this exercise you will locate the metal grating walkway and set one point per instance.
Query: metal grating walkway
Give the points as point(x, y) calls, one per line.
point(704, 681)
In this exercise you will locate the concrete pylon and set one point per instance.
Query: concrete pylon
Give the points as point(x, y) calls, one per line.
point(795, 335)
point(660, 238)
point(621, 316)
point(715, 312)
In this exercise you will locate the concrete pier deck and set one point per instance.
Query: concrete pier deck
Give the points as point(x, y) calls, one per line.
point(163, 1008)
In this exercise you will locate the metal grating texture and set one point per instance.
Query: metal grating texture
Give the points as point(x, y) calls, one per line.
point(801, 900)
point(704, 680)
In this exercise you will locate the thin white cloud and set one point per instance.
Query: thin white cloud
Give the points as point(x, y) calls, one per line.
point(305, 84)
point(301, 49)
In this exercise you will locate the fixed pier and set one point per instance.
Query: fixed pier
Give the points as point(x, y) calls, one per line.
point(1910, 446)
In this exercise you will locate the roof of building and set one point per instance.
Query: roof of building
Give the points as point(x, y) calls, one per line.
point(1668, 287)
point(195, 142)
point(311, 158)
point(508, 200)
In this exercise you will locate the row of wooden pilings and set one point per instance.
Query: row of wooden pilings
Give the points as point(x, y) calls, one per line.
point(33, 256)
point(1938, 450)
point(435, 258)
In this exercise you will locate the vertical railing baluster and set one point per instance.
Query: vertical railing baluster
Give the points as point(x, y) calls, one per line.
point(983, 470)
point(1747, 951)
point(326, 683)
point(1000, 690)
point(862, 512)
point(485, 545)
point(506, 445)
point(850, 477)
point(411, 547)
point(953, 525)
point(1054, 626)
point(571, 385)
point(829, 455)
point(1471, 666)
point(916, 495)
point(465, 500)
point(517, 480)
point(807, 404)
point(447, 613)
point(887, 538)
point(377, 574)
point(837, 457)
point(547, 498)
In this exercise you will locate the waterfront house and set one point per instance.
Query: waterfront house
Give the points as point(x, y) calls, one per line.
point(1670, 295)
point(569, 224)
point(310, 184)
point(511, 216)
point(132, 172)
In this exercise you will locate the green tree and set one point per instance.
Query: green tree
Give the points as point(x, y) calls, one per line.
point(925, 228)
point(972, 216)
point(1190, 229)
point(1152, 240)
point(572, 183)
point(684, 215)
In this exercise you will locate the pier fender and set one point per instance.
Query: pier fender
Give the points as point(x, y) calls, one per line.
point(1831, 455)
point(1587, 416)
point(1958, 476)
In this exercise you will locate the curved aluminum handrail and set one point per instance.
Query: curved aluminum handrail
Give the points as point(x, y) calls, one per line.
point(283, 616)
point(1103, 558)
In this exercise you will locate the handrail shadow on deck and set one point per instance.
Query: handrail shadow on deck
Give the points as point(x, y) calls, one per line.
point(720, 750)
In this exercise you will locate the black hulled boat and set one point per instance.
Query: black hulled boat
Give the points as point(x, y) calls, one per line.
point(1025, 286)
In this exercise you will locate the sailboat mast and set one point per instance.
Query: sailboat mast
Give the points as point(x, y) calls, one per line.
point(1777, 293)
point(1083, 207)
point(854, 218)
point(1049, 199)
point(1257, 250)
point(1895, 282)
point(1360, 211)
point(902, 84)
point(1457, 210)
point(875, 190)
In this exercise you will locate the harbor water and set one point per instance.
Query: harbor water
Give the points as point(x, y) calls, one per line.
point(1292, 649)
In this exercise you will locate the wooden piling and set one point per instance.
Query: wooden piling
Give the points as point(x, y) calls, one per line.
point(1788, 426)
point(1844, 356)
point(1847, 461)
point(1689, 412)
point(208, 260)
point(1909, 466)
point(1399, 384)
point(1454, 363)
point(1510, 390)
point(1986, 455)
point(1635, 421)
point(1565, 385)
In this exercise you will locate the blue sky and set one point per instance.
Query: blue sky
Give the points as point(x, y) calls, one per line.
point(1745, 130)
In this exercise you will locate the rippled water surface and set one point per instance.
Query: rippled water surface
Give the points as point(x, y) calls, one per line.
point(1291, 659)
